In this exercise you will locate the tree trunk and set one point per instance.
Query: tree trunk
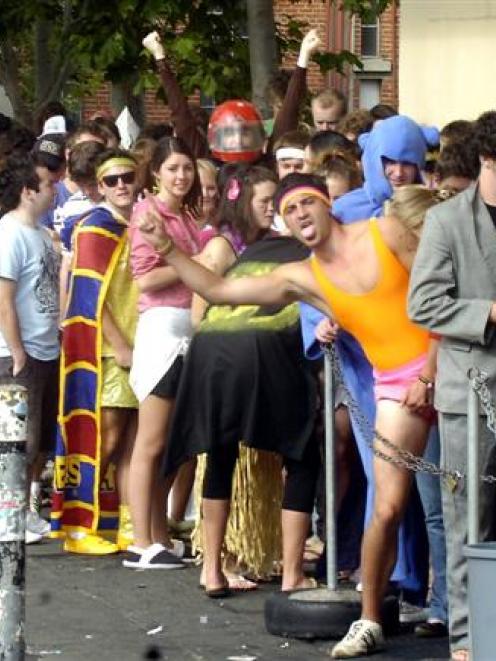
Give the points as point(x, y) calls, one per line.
point(263, 49)
point(122, 96)
point(42, 59)
point(11, 80)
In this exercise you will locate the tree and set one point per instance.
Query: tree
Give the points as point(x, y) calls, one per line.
point(263, 47)
point(54, 48)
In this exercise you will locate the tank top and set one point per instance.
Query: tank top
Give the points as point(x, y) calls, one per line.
point(377, 318)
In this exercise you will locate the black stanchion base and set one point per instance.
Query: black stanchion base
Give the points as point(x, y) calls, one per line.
point(321, 613)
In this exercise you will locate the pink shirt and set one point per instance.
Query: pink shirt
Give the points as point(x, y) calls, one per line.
point(186, 235)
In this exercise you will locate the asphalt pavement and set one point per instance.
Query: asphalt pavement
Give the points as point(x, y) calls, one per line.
point(82, 608)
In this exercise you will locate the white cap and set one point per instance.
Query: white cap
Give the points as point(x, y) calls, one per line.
point(55, 124)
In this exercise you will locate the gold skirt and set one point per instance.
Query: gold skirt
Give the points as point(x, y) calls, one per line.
point(116, 391)
point(253, 533)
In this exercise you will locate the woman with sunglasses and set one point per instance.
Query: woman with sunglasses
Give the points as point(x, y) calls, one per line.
point(97, 411)
point(162, 337)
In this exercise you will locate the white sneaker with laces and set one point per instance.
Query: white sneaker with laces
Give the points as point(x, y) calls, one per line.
point(411, 614)
point(363, 637)
point(32, 537)
point(35, 523)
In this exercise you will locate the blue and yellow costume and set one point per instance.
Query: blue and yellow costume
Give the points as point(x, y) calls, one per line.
point(83, 502)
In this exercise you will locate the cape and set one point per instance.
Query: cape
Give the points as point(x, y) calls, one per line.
point(82, 501)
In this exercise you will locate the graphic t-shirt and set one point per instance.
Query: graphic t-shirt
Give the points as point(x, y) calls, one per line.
point(50, 218)
point(27, 256)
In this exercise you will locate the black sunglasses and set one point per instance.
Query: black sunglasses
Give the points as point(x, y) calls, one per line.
point(111, 180)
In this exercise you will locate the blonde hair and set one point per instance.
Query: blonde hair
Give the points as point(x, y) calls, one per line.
point(329, 98)
point(204, 165)
point(409, 205)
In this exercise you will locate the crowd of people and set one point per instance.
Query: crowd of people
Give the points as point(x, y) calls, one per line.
point(166, 308)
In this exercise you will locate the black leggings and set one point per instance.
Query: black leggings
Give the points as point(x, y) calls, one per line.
point(300, 483)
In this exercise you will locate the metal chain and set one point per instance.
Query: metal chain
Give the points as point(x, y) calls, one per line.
point(403, 458)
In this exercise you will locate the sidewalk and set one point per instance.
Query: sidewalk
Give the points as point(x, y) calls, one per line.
point(83, 609)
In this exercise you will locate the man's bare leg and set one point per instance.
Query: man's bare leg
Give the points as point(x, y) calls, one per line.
point(392, 487)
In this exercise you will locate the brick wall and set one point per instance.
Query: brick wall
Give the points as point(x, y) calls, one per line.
point(336, 32)
point(156, 110)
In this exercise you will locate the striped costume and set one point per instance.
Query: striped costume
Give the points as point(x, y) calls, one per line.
point(83, 501)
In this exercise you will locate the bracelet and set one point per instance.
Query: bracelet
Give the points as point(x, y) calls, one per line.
point(166, 248)
point(427, 382)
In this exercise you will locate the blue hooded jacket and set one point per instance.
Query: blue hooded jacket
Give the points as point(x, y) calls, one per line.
point(397, 138)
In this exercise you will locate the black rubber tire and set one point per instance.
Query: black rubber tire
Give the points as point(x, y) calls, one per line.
point(293, 617)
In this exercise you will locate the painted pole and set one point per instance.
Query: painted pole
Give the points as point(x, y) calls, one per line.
point(330, 471)
point(472, 463)
point(13, 414)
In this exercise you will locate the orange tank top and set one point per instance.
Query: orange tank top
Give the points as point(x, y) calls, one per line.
point(378, 318)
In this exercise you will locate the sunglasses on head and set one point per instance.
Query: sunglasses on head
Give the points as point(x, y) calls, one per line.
point(111, 180)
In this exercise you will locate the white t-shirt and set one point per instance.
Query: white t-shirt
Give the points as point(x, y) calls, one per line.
point(28, 257)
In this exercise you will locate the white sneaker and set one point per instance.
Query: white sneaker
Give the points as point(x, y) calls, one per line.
point(32, 537)
point(35, 523)
point(363, 637)
point(410, 614)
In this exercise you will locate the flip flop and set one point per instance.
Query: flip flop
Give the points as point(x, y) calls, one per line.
point(218, 593)
point(238, 583)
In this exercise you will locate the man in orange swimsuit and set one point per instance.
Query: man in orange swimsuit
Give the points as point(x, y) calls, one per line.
point(358, 275)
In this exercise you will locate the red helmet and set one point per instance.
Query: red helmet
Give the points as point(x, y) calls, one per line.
point(236, 133)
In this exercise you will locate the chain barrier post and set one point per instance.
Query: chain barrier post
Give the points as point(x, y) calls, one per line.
point(472, 461)
point(13, 415)
point(330, 467)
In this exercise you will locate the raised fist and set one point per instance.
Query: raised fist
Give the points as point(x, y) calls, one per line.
point(153, 44)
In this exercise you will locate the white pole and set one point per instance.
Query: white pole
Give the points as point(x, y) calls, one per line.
point(472, 464)
point(330, 472)
point(13, 414)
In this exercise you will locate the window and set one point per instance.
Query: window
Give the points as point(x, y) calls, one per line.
point(370, 39)
point(370, 92)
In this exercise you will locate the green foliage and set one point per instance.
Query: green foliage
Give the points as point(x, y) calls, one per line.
point(92, 40)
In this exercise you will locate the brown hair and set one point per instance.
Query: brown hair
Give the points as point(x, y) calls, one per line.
point(82, 161)
point(238, 213)
point(165, 148)
point(88, 127)
point(142, 152)
point(298, 139)
point(355, 122)
point(341, 165)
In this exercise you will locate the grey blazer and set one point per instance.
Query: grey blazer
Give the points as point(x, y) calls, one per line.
point(452, 289)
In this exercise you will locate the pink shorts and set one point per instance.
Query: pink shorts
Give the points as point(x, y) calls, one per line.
point(393, 384)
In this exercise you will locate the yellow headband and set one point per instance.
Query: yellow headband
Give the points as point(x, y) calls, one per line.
point(118, 161)
point(287, 198)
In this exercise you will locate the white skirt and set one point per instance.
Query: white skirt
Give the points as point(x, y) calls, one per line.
point(162, 334)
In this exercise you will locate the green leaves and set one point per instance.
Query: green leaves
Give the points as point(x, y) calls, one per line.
point(206, 40)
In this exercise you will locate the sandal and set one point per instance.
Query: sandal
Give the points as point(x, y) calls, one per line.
point(238, 583)
point(218, 593)
point(307, 583)
point(314, 548)
point(460, 655)
point(156, 556)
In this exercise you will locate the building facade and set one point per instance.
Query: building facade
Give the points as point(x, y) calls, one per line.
point(376, 45)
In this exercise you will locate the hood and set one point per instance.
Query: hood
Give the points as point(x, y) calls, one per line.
point(397, 138)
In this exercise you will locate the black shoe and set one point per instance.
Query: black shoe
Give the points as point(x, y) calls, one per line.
point(431, 630)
